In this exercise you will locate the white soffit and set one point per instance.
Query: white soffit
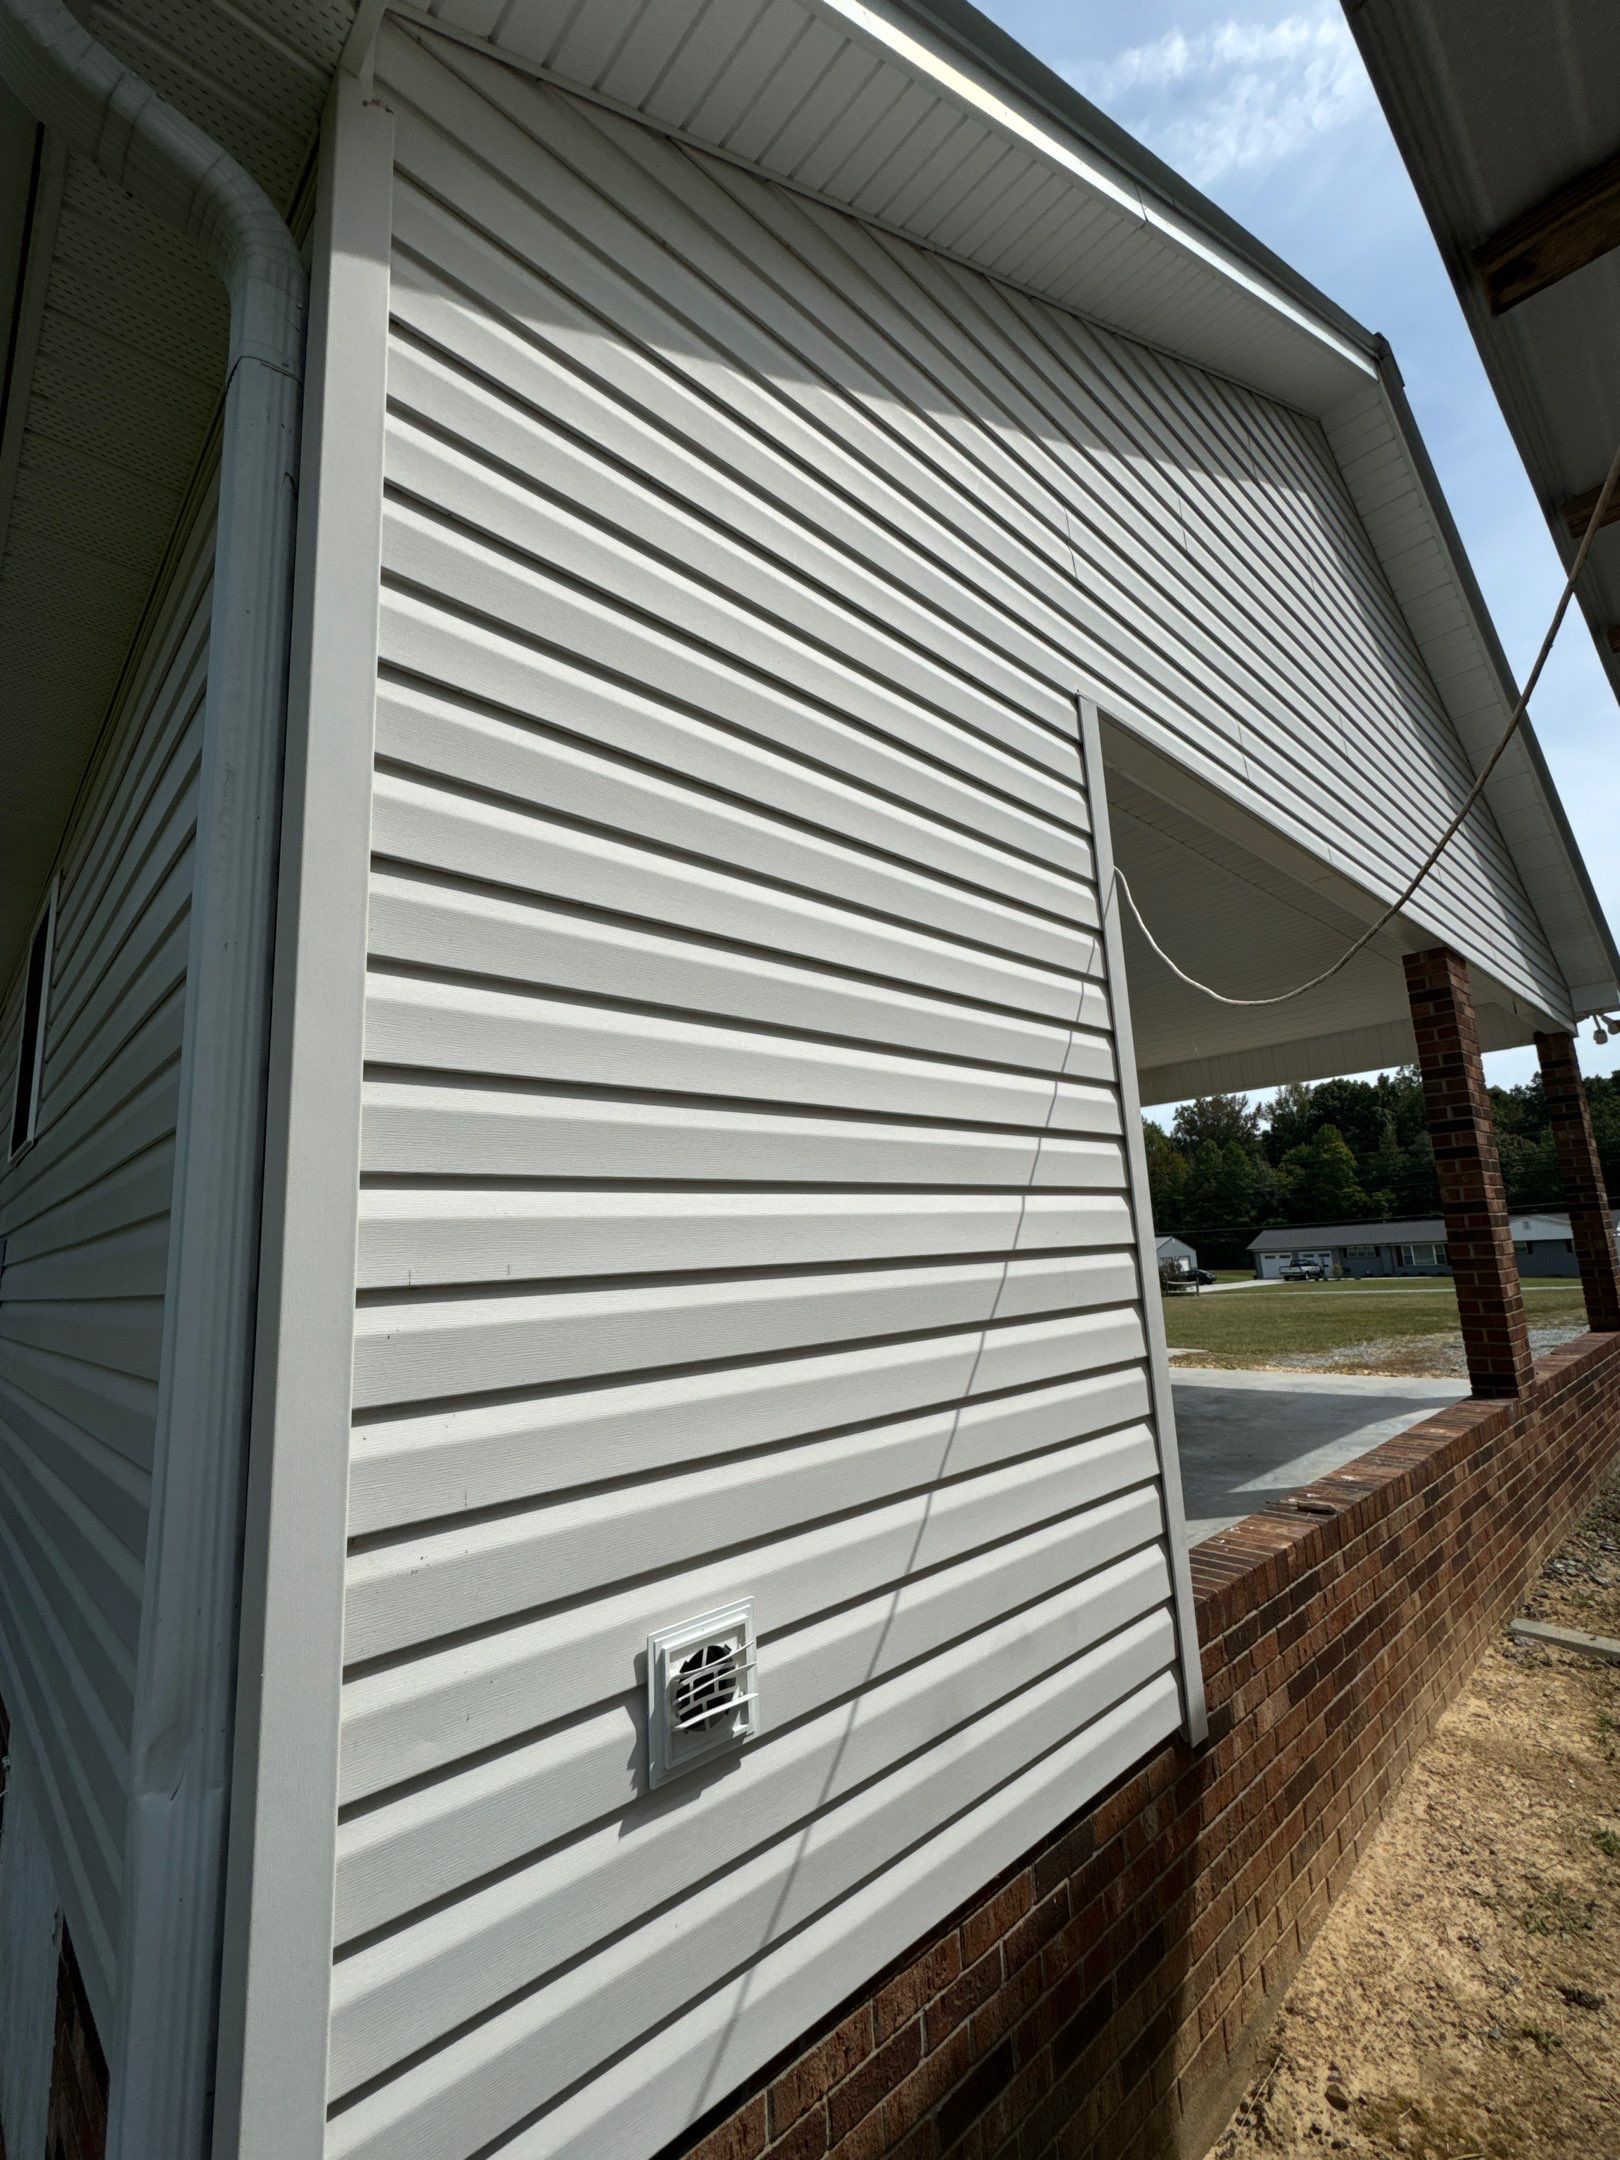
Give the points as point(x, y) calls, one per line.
point(861, 104)
point(118, 370)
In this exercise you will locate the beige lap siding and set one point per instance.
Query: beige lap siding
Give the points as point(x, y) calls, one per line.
point(84, 1215)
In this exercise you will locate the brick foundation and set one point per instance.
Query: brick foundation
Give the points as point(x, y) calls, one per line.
point(77, 2124)
point(1107, 1999)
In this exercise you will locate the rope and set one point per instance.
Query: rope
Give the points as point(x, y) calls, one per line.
point(1283, 997)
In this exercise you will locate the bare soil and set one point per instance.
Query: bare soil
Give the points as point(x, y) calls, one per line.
point(1462, 2001)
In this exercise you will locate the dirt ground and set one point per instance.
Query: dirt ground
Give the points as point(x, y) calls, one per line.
point(1462, 2001)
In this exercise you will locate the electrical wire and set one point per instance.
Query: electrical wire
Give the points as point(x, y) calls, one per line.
point(1283, 997)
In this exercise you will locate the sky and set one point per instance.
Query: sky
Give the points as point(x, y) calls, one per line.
point(1267, 109)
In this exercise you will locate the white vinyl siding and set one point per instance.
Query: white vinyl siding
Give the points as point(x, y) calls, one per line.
point(744, 1202)
point(745, 1212)
point(84, 1216)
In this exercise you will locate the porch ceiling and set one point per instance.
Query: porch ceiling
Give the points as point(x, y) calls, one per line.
point(1498, 108)
point(1250, 913)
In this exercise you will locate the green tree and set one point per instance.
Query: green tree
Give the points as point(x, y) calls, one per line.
point(1382, 1170)
point(1419, 1190)
point(1220, 1118)
point(1319, 1179)
point(1220, 1201)
point(1167, 1180)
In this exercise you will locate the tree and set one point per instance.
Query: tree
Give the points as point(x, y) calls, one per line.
point(1289, 1122)
point(1319, 1179)
point(1220, 1118)
point(1220, 1200)
point(1167, 1180)
point(1382, 1170)
point(1419, 1190)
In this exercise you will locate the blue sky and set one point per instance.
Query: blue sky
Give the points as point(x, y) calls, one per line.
point(1267, 108)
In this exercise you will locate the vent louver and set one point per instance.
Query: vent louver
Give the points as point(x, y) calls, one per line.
point(702, 1692)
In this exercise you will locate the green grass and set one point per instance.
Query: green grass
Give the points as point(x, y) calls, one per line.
point(1300, 1320)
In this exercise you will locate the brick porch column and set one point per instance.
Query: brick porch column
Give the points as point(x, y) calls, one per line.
point(1582, 1175)
point(1479, 1242)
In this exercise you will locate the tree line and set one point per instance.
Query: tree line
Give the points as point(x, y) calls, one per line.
point(1341, 1151)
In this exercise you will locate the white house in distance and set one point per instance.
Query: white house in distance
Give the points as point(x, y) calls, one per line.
point(585, 1448)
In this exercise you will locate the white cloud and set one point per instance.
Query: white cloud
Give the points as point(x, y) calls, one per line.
point(1241, 96)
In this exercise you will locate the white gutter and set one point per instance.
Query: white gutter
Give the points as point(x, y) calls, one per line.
point(161, 2053)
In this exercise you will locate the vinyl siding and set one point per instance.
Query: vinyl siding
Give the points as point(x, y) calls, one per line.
point(745, 1205)
point(84, 1214)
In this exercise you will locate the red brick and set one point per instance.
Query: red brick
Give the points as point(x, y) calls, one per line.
point(1104, 1986)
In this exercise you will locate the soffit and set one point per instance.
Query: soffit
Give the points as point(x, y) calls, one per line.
point(120, 372)
point(1496, 106)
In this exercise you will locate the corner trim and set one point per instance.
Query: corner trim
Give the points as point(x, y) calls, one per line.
point(276, 1973)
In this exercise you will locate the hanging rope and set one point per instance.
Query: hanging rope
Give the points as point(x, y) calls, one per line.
point(1283, 997)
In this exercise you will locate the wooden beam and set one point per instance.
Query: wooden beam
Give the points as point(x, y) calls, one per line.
point(1577, 512)
point(1613, 636)
point(1573, 227)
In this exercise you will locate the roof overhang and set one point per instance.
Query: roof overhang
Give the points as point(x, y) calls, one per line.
point(926, 120)
point(1507, 119)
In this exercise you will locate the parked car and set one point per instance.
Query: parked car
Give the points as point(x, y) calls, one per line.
point(1200, 1275)
point(1305, 1271)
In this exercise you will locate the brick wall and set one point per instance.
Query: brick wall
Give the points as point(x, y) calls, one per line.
point(1108, 1998)
point(77, 2124)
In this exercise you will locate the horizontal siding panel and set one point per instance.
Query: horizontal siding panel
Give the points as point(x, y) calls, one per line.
point(398, 1717)
point(733, 263)
point(559, 2033)
point(446, 1346)
point(585, 789)
point(436, 1127)
point(466, 1576)
point(426, 826)
point(415, 1238)
point(435, 1836)
point(894, 1740)
point(665, 2084)
point(425, 924)
point(413, 1468)
point(437, 1026)
point(84, 1212)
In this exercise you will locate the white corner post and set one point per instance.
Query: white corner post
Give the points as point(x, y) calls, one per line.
point(161, 2054)
point(1195, 1718)
point(277, 1972)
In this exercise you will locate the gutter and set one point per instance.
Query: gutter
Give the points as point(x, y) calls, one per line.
point(161, 2050)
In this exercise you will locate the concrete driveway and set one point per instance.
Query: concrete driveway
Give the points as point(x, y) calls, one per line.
point(1248, 1439)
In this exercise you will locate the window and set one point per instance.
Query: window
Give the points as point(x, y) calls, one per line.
point(31, 1043)
point(1421, 1255)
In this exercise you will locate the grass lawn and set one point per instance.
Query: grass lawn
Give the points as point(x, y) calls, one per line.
point(1388, 1326)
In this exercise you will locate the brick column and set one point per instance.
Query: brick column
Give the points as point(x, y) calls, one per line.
point(1582, 1175)
point(1479, 1242)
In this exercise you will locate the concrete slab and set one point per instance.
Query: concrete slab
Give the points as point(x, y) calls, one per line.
point(1248, 1439)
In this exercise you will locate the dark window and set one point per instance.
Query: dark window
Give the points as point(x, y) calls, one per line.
point(25, 1103)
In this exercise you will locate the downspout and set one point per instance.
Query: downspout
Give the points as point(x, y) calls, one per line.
point(161, 2052)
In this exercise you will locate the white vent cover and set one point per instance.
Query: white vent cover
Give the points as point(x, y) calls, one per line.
point(702, 1693)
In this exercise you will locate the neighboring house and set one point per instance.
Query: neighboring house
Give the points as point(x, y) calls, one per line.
point(1542, 1245)
point(586, 1458)
point(1177, 1252)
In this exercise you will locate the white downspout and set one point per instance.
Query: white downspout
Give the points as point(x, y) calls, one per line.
point(161, 2053)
